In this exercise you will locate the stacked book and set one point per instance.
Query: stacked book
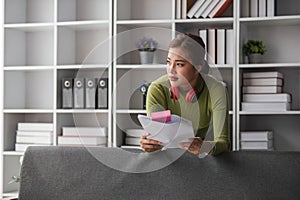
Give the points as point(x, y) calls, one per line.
point(133, 136)
point(257, 140)
point(83, 136)
point(33, 134)
point(263, 91)
point(258, 8)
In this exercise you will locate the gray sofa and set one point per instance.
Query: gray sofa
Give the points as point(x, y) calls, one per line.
point(112, 173)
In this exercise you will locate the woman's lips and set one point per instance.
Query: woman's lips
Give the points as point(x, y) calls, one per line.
point(173, 78)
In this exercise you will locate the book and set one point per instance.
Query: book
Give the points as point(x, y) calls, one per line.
point(222, 9)
point(270, 8)
point(263, 75)
point(194, 8)
point(23, 147)
point(134, 132)
point(209, 8)
point(84, 131)
point(202, 8)
point(266, 106)
point(35, 133)
point(262, 89)
point(24, 126)
point(262, 8)
point(263, 81)
point(203, 35)
point(245, 7)
point(229, 43)
point(185, 6)
point(178, 9)
point(211, 47)
point(220, 46)
point(33, 140)
point(253, 8)
point(257, 144)
point(256, 135)
point(84, 140)
point(280, 97)
point(216, 8)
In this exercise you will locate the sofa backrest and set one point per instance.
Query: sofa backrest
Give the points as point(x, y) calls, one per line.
point(76, 173)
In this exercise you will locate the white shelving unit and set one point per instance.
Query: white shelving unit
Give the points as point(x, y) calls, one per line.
point(46, 41)
point(281, 38)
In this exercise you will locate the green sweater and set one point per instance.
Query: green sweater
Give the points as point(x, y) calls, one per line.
point(209, 115)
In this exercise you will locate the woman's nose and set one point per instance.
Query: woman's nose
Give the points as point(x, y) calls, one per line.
point(172, 68)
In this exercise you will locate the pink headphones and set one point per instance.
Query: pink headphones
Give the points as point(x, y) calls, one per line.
point(192, 95)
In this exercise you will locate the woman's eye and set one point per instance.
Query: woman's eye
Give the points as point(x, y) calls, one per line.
point(168, 62)
point(180, 64)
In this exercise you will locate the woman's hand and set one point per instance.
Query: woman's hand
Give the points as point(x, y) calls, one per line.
point(193, 145)
point(149, 145)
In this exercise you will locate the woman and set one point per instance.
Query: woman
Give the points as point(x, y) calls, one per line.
point(189, 92)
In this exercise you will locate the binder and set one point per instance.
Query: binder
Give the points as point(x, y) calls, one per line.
point(67, 93)
point(102, 93)
point(90, 92)
point(78, 93)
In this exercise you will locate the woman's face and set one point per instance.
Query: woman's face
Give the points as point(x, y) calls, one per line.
point(181, 73)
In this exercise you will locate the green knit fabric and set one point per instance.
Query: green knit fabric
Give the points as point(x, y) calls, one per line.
point(209, 115)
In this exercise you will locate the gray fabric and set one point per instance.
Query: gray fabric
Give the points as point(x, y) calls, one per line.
point(73, 173)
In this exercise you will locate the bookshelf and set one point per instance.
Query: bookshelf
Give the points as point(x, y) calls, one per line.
point(46, 41)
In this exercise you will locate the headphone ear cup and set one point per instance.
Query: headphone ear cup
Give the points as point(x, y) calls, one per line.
point(191, 96)
point(174, 93)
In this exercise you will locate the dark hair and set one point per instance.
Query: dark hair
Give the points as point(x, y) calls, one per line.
point(195, 46)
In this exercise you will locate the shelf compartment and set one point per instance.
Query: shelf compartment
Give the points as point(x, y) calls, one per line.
point(284, 50)
point(79, 73)
point(83, 44)
point(125, 121)
point(285, 129)
point(28, 89)
point(29, 46)
point(83, 120)
point(11, 167)
point(11, 121)
point(143, 9)
point(127, 36)
point(127, 86)
point(81, 10)
point(29, 11)
point(271, 21)
point(142, 66)
point(291, 84)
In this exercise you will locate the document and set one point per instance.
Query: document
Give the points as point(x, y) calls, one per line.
point(170, 133)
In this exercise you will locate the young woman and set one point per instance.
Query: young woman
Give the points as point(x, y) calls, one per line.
point(189, 92)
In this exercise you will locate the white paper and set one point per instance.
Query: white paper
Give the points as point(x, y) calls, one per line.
point(170, 133)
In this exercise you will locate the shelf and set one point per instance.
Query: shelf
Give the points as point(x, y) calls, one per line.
point(130, 111)
point(144, 23)
point(12, 111)
point(13, 153)
point(82, 111)
point(292, 112)
point(136, 66)
point(27, 68)
point(83, 66)
point(271, 21)
point(266, 65)
point(30, 26)
point(212, 21)
point(85, 25)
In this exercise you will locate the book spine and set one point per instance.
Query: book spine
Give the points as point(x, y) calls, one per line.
point(284, 97)
point(229, 43)
point(262, 89)
point(220, 46)
point(263, 75)
point(270, 8)
point(262, 7)
point(202, 8)
point(178, 9)
point(253, 8)
point(211, 46)
point(209, 8)
point(216, 8)
point(35, 126)
point(203, 35)
point(194, 8)
point(245, 8)
point(223, 8)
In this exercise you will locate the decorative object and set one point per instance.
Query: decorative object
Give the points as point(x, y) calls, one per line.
point(254, 49)
point(146, 47)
